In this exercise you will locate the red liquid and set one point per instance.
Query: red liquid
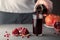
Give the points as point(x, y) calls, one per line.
point(37, 29)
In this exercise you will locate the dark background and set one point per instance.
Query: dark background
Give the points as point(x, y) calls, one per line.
point(56, 6)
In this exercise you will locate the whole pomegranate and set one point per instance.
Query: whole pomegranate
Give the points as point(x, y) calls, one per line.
point(51, 19)
point(57, 27)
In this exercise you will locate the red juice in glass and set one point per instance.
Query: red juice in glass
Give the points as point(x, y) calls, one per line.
point(37, 24)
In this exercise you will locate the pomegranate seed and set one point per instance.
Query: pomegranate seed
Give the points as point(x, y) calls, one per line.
point(7, 39)
point(28, 36)
point(4, 35)
point(6, 32)
point(7, 35)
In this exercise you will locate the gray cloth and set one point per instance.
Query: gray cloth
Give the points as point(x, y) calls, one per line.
point(15, 18)
point(17, 6)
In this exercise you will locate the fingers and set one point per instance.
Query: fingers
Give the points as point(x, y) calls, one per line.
point(47, 3)
point(36, 6)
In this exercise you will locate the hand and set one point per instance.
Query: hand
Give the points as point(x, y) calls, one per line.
point(47, 3)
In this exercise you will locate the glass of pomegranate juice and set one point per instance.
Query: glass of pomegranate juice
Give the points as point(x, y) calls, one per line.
point(37, 24)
